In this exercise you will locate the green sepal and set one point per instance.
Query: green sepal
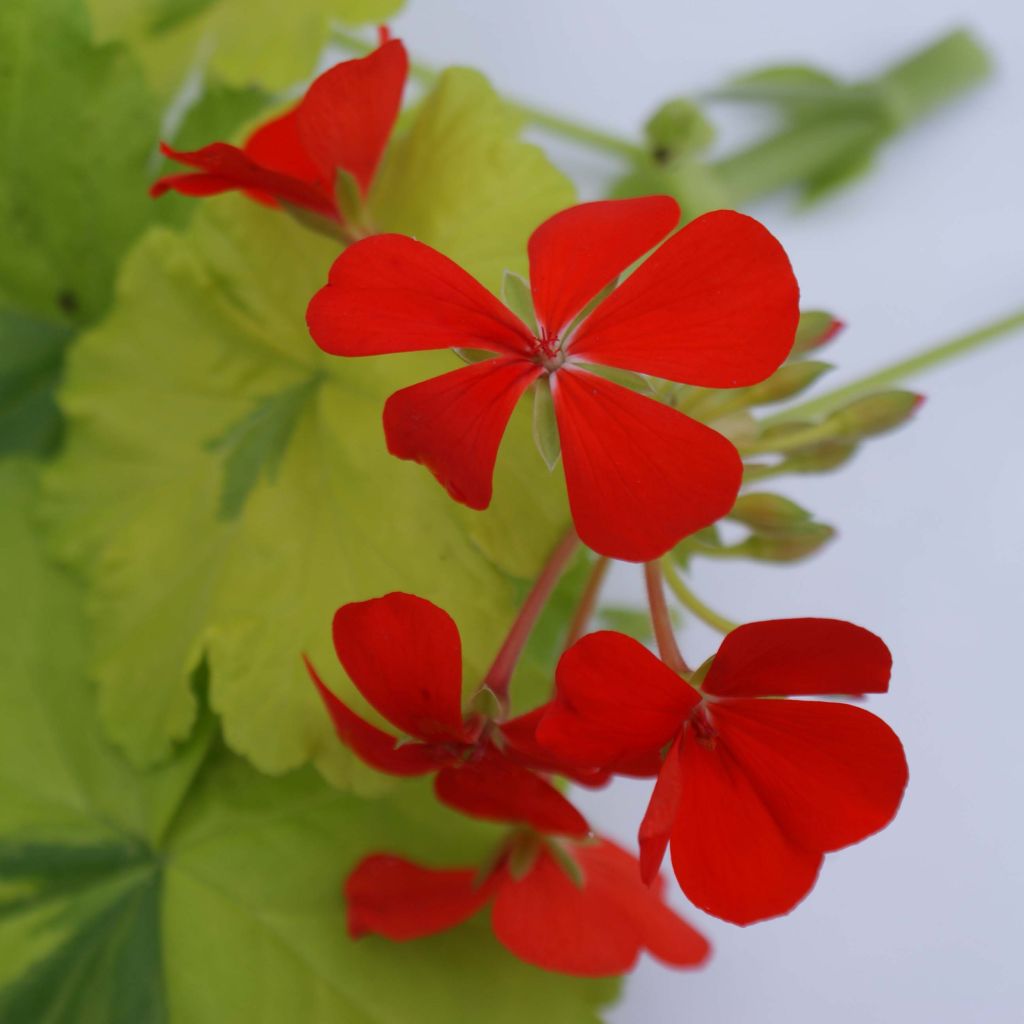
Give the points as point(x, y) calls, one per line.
point(545, 424)
point(875, 414)
point(567, 863)
point(516, 294)
point(625, 378)
point(820, 458)
point(522, 855)
point(797, 542)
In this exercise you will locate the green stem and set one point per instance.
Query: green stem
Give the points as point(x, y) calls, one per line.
point(585, 134)
point(898, 371)
point(689, 600)
point(791, 441)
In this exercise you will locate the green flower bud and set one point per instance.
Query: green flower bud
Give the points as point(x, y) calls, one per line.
point(798, 542)
point(816, 328)
point(787, 381)
point(677, 128)
point(768, 513)
point(875, 414)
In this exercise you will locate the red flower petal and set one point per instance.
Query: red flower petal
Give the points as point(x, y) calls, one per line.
point(389, 896)
point(378, 749)
point(831, 774)
point(276, 146)
point(729, 853)
point(347, 114)
point(519, 736)
point(716, 306)
point(614, 700)
point(226, 167)
point(799, 656)
point(547, 920)
point(575, 253)
point(405, 657)
point(660, 817)
point(499, 790)
point(453, 424)
point(640, 475)
point(390, 293)
point(662, 932)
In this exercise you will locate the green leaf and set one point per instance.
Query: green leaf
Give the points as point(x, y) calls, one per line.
point(31, 351)
point(461, 181)
point(201, 891)
point(71, 199)
point(238, 41)
point(209, 323)
point(256, 443)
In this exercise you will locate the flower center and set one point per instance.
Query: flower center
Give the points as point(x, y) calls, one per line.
point(702, 726)
point(549, 352)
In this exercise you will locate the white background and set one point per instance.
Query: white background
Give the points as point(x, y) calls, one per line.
point(923, 924)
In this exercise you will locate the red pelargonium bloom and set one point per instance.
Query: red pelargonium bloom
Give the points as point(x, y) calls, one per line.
point(404, 656)
point(342, 123)
point(591, 925)
point(752, 791)
point(714, 306)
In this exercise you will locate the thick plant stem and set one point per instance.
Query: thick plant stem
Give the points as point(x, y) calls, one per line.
point(689, 600)
point(664, 635)
point(899, 371)
point(500, 673)
point(588, 601)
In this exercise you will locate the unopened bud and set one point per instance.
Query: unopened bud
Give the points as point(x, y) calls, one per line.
point(798, 542)
point(677, 128)
point(875, 414)
point(820, 458)
point(816, 328)
point(788, 380)
point(768, 513)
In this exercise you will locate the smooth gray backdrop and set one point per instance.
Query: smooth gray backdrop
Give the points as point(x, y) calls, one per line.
point(922, 924)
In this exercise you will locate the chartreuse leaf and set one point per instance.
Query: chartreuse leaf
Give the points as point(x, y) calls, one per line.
point(201, 891)
point(447, 180)
point(238, 41)
point(209, 323)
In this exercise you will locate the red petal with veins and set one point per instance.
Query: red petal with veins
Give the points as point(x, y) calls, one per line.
point(497, 789)
point(731, 856)
point(594, 929)
point(546, 919)
point(830, 774)
point(377, 748)
point(660, 816)
point(575, 253)
point(454, 424)
point(226, 167)
point(405, 657)
point(393, 897)
point(614, 700)
point(390, 293)
point(716, 306)
point(663, 933)
point(640, 475)
point(347, 114)
point(276, 146)
point(799, 657)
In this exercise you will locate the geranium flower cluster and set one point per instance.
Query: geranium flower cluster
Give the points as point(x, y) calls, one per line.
point(752, 783)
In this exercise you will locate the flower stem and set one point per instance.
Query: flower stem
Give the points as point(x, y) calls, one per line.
point(688, 599)
point(896, 372)
point(588, 601)
point(500, 673)
point(664, 634)
point(567, 128)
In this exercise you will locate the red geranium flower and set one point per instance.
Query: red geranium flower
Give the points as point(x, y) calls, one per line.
point(404, 656)
point(714, 306)
point(752, 791)
point(343, 122)
point(591, 925)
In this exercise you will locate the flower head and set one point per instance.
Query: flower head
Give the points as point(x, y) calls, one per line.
point(578, 908)
point(404, 656)
point(341, 124)
point(752, 791)
point(714, 306)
